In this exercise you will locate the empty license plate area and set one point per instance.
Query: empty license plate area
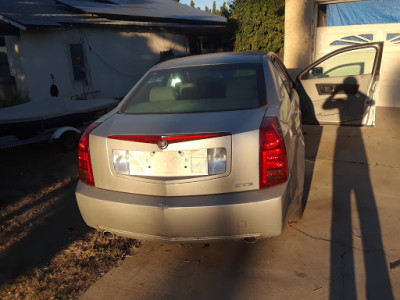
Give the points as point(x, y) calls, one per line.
point(180, 163)
point(170, 163)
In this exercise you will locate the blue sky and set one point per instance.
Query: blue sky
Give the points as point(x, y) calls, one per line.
point(203, 3)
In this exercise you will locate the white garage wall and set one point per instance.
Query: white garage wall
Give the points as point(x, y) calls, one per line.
point(114, 60)
point(389, 88)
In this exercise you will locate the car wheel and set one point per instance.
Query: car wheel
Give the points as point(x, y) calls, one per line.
point(68, 140)
point(296, 216)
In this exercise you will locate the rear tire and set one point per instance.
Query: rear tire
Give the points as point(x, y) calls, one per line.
point(68, 140)
point(296, 216)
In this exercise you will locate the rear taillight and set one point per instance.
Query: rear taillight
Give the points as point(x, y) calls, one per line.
point(273, 160)
point(84, 164)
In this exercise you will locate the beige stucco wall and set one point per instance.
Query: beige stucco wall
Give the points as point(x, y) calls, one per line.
point(299, 30)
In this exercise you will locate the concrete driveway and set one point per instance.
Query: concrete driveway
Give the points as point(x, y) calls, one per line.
point(347, 245)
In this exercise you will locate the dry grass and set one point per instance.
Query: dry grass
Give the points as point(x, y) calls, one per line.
point(46, 250)
point(72, 270)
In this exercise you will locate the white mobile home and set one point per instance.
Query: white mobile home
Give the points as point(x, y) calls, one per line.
point(94, 48)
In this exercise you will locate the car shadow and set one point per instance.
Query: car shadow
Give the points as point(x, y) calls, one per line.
point(312, 137)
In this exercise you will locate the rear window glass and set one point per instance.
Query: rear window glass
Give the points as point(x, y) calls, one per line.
point(198, 89)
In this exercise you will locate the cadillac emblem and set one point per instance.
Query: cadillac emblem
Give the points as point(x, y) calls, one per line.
point(162, 144)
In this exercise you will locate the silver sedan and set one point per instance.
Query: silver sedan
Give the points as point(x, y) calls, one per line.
point(202, 148)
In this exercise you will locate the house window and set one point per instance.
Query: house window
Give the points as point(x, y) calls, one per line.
point(4, 66)
point(78, 61)
point(353, 40)
point(393, 38)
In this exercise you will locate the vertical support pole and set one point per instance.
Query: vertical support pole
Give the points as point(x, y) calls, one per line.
point(299, 34)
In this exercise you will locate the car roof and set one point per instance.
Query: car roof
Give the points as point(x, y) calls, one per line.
point(212, 59)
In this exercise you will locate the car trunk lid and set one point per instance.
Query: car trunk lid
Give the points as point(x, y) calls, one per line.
point(179, 154)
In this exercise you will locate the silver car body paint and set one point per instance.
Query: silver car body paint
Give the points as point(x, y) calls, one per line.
point(190, 208)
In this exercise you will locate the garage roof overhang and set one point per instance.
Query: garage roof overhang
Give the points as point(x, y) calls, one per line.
point(17, 15)
point(148, 11)
point(9, 27)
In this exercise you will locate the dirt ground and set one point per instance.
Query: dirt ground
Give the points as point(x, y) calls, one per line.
point(46, 250)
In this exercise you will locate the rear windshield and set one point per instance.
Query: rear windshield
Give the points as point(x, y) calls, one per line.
point(198, 89)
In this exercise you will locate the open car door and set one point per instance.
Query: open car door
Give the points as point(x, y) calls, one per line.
point(339, 88)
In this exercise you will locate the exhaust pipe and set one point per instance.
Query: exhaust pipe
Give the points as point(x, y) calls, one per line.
point(108, 235)
point(250, 240)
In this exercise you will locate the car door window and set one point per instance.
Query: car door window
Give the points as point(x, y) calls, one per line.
point(352, 63)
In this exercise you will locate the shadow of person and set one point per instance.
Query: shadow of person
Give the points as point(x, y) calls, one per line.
point(352, 185)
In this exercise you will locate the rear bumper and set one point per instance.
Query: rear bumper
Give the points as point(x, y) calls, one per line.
point(177, 219)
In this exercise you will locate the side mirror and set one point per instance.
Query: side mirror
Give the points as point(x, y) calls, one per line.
point(316, 72)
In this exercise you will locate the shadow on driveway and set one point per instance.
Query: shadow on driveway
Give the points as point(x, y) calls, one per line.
point(352, 183)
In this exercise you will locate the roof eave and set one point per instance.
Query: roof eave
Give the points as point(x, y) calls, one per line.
point(161, 20)
point(13, 23)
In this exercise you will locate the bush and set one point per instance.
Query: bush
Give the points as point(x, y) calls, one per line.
point(259, 24)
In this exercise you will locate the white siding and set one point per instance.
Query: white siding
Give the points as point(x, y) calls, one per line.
point(114, 59)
